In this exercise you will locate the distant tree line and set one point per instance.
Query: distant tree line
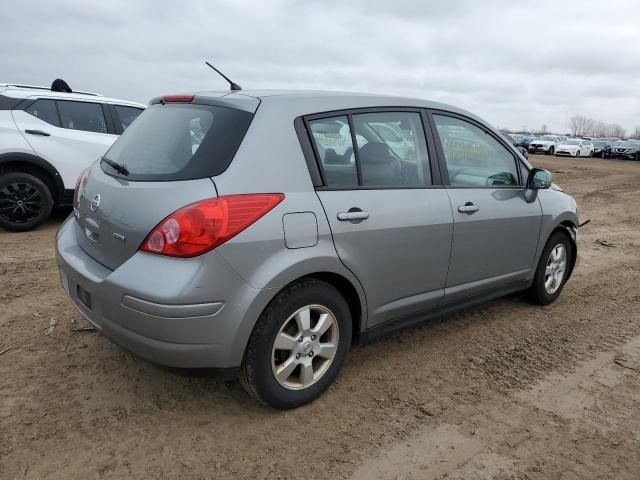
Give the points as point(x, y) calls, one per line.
point(581, 126)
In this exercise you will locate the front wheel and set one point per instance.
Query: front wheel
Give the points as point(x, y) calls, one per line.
point(298, 345)
point(553, 269)
point(25, 201)
point(551, 150)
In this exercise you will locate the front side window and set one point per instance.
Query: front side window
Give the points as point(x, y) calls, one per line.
point(126, 115)
point(473, 157)
point(391, 150)
point(45, 110)
point(82, 116)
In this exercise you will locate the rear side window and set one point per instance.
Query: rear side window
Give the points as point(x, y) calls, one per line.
point(85, 116)
point(333, 142)
point(45, 110)
point(180, 142)
point(126, 115)
point(391, 150)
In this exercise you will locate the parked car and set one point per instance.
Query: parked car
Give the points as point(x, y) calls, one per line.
point(575, 147)
point(602, 148)
point(48, 138)
point(511, 139)
point(546, 144)
point(627, 149)
point(249, 248)
point(526, 140)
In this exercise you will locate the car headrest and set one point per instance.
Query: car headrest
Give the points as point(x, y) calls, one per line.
point(375, 153)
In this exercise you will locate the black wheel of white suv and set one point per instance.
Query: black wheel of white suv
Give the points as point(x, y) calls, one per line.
point(553, 269)
point(25, 201)
point(551, 151)
point(298, 345)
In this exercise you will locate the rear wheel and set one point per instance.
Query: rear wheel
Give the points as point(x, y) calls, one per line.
point(553, 269)
point(298, 345)
point(25, 201)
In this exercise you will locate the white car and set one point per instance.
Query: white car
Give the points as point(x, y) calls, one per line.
point(46, 140)
point(575, 147)
point(546, 144)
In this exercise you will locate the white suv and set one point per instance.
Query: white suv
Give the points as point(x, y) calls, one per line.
point(46, 140)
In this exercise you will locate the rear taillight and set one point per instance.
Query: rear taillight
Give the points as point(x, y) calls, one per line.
point(204, 225)
point(76, 191)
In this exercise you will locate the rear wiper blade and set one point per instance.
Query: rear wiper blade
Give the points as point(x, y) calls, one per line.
point(121, 169)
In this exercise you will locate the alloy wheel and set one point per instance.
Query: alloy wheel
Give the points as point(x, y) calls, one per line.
point(305, 347)
point(556, 266)
point(20, 202)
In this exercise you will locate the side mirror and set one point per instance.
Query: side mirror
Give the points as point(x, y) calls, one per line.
point(539, 179)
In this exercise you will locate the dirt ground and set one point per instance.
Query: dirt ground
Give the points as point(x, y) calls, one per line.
point(506, 390)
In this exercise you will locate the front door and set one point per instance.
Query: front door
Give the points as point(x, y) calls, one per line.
point(391, 225)
point(496, 229)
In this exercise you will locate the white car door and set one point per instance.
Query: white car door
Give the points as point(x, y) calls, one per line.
point(69, 134)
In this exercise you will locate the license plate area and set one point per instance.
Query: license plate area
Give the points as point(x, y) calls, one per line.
point(84, 297)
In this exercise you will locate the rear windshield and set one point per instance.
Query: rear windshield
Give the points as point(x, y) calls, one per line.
point(179, 142)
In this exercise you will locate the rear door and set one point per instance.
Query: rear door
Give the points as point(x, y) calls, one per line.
point(389, 215)
point(496, 229)
point(69, 134)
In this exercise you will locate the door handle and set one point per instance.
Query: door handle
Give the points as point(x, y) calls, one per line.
point(468, 207)
point(354, 215)
point(38, 132)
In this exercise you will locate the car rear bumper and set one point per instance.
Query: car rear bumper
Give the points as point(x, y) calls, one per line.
point(163, 309)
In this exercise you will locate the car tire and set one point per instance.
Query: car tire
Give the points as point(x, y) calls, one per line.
point(604, 155)
point(276, 376)
point(551, 151)
point(25, 201)
point(548, 282)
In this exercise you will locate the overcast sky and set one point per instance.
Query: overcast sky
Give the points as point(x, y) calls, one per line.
point(514, 63)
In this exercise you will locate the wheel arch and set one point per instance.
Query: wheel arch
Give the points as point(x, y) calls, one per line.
point(37, 166)
point(349, 288)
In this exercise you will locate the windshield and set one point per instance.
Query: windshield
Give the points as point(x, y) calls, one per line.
point(572, 142)
point(547, 138)
point(179, 142)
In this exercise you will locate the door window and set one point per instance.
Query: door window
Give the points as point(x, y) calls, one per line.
point(126, 115)
point(45, 110)
point(391, 150)
point(394, 150)
point(82, 116)
point(334, 146)
point(474, 157)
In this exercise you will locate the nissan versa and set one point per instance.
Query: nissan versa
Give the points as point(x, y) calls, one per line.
point(271, 231)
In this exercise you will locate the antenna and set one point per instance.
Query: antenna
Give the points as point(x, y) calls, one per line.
point(233, 86)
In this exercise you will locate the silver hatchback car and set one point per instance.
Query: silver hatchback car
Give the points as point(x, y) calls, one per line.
point(271, 231)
